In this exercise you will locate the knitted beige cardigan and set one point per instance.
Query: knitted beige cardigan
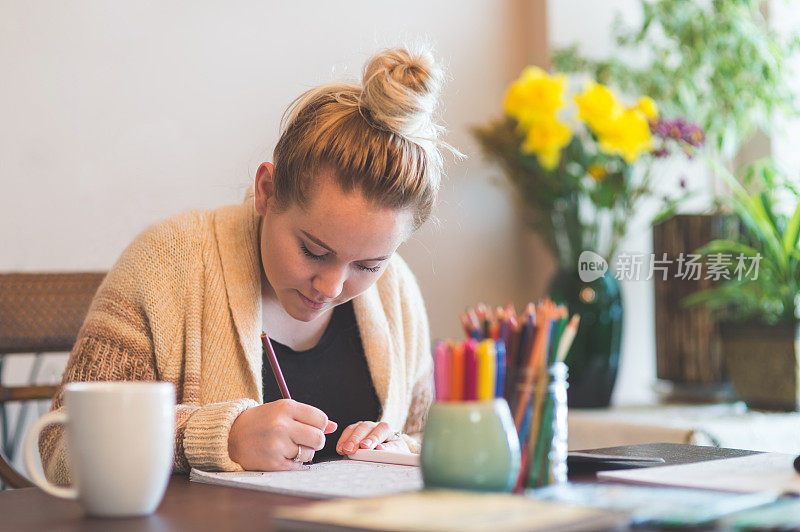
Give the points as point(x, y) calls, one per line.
point(183, 304)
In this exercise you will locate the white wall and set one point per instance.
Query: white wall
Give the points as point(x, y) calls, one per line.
point(114, 115)
point(117, 115)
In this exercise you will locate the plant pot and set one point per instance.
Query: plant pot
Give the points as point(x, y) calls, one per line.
point(762, 363)
point(593, 359)
point(688, 344)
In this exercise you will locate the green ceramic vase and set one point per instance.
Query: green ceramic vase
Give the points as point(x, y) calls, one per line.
point(470, 445)
point(594, 357)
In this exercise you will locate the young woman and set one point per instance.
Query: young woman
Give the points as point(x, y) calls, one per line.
point(309, 258)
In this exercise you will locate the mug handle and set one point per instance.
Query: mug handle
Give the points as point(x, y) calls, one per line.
point(32, 452)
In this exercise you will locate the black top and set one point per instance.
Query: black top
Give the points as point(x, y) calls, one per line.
point(332, 376)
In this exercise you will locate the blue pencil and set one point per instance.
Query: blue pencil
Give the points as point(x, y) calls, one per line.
point(500, 350)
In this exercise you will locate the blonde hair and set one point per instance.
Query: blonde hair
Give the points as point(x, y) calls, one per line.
point(378, 137)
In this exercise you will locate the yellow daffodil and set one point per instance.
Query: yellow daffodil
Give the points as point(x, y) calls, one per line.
point(546, 137)
point(647, 107)
point(598, 107)
point(628, 136)
point(534, 95)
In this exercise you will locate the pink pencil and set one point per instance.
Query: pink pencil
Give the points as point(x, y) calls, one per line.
point(441, 371)
point(276, 368)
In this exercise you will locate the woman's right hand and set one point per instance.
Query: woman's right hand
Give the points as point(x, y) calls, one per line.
point(266, 437)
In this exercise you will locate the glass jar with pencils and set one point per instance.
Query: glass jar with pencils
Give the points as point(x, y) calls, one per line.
point(473, 439)
point(545, 457)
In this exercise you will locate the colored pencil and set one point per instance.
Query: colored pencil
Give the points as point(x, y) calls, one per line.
point(512, 347)
point(465, 323)
point(276, 368)
point(568, 337)
point(486, 357)
point(457, 372)
point(500, 380)
point(441, 371)
point(535, 361)
point(521, 478)
point(522, 354)
point(558, 332)
point(537, 445)
point(470, 371)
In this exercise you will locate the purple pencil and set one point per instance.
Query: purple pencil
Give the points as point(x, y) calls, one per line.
point(470, 370)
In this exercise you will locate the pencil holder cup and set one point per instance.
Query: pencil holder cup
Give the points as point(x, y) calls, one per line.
point(547, 444)
point(470, 445)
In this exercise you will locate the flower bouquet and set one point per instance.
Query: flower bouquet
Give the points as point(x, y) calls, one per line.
point(570, 155)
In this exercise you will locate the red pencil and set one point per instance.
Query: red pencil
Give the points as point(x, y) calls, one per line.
point(276, 369)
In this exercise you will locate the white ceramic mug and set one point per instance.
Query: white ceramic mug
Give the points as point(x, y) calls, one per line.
point(119, 438)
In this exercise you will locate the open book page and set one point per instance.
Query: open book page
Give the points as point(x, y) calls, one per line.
point(748, 474)
point(443, 510)
point(338, 478)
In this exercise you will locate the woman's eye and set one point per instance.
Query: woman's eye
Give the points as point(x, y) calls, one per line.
point(367, 269)
point(310, 255)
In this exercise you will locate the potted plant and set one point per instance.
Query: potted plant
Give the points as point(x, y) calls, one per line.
point(722, 64)
point(582, 161)
point(759, 297)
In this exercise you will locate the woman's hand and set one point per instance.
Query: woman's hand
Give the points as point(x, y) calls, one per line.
point(266, 437)
point(370, 435)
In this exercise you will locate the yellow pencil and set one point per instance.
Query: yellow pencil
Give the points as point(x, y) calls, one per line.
point(487, 369)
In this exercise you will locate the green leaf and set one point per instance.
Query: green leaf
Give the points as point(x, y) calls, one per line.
point(790, 235)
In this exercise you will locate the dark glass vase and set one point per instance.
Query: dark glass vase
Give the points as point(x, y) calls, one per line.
point(594, 357)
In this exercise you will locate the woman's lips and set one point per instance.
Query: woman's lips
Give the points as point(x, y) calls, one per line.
point(310, 303)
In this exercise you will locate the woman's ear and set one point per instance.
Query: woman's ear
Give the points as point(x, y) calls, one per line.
point(265, 176)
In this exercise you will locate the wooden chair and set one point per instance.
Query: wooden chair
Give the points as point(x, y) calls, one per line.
point(39, 313)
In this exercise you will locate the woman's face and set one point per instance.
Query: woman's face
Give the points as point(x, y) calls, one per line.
point(324, 254)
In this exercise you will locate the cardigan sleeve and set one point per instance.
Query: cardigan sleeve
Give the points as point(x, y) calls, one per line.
point(418, 352)
point(201, 432)
point(143, 293)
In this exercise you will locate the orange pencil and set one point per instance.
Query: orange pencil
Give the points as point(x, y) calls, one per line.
point(534, 364)
point(456, 389)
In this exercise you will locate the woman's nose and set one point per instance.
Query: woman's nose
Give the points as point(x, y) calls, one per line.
point(329, 283)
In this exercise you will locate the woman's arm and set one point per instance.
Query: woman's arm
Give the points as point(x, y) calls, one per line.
point(201, 432)
point(135, 331)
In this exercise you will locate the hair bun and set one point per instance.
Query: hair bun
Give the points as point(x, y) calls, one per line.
point(401, 91)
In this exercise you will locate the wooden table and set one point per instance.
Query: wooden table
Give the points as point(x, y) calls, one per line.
point(196, 507)
point(187, 506)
